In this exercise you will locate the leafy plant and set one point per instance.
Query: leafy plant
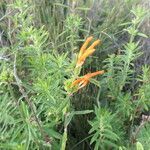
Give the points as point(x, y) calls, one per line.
point(42, 74)
point(120, 100)
point(104, 136)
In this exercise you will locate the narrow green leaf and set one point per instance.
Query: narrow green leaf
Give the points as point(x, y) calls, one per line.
point(83, 112)
point(143, 35)
point(139, 146)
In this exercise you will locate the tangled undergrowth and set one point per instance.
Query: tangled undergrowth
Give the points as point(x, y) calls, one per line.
point(57, 93)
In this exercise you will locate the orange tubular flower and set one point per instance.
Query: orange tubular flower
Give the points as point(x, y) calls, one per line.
point(85, 52)
point(94, 44)
point(82, 82)
point(84, 46)
point(84, 56)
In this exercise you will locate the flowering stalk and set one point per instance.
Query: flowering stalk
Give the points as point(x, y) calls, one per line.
point(74, 84)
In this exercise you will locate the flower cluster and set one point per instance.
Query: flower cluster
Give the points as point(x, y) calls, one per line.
point(83, 81)
point(83, 54)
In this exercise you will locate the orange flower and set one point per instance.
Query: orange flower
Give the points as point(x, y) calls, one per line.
point(94, 44)
point(85, 52)
point(82, 82)
point(84, 46)
point(81, 60)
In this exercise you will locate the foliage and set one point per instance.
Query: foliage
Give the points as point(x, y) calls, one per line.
point(119, 76)
point(143, 136)
point(39, 53)
point(104, 137)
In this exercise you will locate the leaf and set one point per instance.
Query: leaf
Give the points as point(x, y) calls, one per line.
point(95, 82)
point(95, 137)
point(139, 146)
point(97, 145)
point(70, 115)
point(83, 112)
point(143, 35)
point(68, 118)
point(112, 134)
point(95, 127)
point(126, 23)
point(58, 4)
point(109, 143)
point(53, 133)
point(82, 8)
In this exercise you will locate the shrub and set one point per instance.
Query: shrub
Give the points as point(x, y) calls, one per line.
point(46, 99)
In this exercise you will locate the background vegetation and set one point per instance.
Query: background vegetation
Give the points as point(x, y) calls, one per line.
point(39, 43)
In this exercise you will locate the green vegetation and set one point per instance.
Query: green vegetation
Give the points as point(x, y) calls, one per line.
point(54, 94)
